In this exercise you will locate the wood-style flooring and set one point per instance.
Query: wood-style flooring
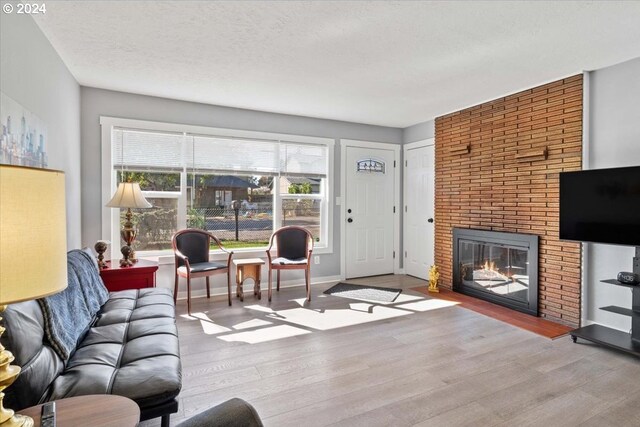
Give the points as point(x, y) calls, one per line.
point(530, 323)
point(417, 361)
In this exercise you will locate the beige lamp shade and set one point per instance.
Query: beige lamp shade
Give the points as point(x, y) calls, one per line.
point(33, 233)
point(128, 195)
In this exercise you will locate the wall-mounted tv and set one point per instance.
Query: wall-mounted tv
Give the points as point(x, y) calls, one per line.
point(601, 206)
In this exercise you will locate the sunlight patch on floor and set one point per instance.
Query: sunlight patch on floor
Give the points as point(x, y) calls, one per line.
point(300, 301)
point(400, 299)
point(265, 334)
point(407, 298)
point(209, 327)
point(254, 323)
point(264, 326)
point(323, 320)
point(261, 308)
point(193, 316)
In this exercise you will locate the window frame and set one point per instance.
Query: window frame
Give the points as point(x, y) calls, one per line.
point(110, 217)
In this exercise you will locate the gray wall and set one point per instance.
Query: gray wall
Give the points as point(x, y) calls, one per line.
point(614, 141)
point(418, 132)
point(32, 73)
point(99, 102)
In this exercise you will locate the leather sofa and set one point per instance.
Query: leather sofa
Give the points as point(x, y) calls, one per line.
point(130, 348)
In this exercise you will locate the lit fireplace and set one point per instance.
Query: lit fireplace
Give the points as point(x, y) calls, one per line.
point(489, 266)
point(499, 267)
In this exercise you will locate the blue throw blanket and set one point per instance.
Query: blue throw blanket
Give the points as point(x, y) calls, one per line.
point(68, 314)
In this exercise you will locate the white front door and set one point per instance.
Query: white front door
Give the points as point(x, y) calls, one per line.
point(418, 217)
point(369, 211)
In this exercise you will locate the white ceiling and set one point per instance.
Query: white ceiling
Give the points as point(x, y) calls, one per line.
point(385, 63)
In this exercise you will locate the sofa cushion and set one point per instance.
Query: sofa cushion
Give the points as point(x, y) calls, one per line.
point(287, 261)
point(202, 267)
point(131, 350)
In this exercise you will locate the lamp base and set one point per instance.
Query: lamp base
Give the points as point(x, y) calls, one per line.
point(14, 420)
point(128, 234)
point(8, 374)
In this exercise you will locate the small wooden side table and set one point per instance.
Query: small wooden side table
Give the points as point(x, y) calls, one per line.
point(248, 269)
point(98, 410)
point(140, 275)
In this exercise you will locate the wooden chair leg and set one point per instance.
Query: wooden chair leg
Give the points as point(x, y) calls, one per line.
point(278, 288)
point(307, 282)
point(208, 290)
point(189, 295)
point(269, 293)
point(229, 287)
point(175, 290)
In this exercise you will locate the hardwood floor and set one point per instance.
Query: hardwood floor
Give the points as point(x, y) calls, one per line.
point(417, 361)
point(537, 325)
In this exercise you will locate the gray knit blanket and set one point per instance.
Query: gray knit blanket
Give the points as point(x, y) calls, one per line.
point(69, 314)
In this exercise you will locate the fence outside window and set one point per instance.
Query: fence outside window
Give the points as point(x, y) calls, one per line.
point(254, 227)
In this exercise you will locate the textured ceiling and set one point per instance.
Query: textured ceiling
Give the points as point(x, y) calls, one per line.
point(386, 63)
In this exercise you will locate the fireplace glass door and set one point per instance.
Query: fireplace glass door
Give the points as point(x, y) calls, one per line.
point(493, 268)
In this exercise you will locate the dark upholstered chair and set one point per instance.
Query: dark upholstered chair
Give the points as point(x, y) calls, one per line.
point(232, 413)
point(191, 248)
point(293, 252)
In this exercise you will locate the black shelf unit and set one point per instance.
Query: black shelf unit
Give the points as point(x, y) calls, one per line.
point(608, 337)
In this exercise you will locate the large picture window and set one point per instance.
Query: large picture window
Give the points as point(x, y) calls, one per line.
point(238, 185)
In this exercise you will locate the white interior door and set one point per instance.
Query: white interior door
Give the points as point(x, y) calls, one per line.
point(369, 211)
point(419, 211)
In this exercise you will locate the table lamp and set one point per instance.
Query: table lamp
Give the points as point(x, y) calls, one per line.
point(32, 224)
point(128, 195)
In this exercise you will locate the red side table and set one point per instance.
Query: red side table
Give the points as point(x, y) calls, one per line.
point(141, 275)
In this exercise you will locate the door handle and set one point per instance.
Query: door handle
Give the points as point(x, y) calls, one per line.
point(350, 220)
point(430, 220)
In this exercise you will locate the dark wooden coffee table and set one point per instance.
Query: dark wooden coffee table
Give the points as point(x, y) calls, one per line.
point(98, 410)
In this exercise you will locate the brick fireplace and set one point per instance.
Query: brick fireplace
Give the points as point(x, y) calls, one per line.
point(496, 168)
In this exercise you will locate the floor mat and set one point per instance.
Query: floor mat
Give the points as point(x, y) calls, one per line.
point(363, 292)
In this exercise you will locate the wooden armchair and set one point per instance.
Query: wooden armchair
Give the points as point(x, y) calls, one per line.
point(191, 248)
point(294, 246)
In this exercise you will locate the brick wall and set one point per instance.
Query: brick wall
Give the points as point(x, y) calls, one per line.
point(490, 188)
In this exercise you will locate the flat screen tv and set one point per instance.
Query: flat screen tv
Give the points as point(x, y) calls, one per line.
point(601, 206)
